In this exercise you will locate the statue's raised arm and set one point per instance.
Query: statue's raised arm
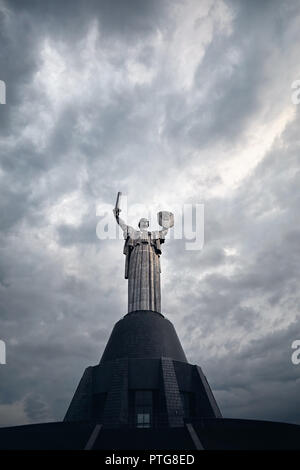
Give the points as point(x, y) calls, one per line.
point(166, 220)
point(127, 229)
point(120, 221)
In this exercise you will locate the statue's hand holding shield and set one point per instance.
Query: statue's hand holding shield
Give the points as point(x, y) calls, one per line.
point(165, 219)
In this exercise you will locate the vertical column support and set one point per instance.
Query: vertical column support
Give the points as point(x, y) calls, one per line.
point(175, 413)
point(116, 408)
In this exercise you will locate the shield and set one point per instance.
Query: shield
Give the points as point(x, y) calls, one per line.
point(165, 219)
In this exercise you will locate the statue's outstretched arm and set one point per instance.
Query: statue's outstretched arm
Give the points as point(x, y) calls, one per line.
point(163, 232)
point(127, 229)
point(120, 221)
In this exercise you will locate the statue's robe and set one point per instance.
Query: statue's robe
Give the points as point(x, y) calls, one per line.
point(142, 268)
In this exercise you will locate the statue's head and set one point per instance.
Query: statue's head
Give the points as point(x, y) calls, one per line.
point(144, 224)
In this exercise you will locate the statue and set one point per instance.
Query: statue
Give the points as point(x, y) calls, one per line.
point(142, 266)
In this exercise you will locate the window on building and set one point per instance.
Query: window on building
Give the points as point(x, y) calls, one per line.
point(143, 408)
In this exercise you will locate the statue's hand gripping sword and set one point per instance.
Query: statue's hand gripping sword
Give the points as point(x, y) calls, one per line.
point(117, 209)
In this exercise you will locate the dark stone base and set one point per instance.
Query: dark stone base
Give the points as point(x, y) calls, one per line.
point(106, 392)
point(143, 334)
point(212, 434)
point(143, 353)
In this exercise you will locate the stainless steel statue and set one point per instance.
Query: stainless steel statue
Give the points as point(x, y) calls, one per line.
point(142, 266)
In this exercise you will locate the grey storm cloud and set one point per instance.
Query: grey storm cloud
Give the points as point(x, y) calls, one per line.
point(170, 103)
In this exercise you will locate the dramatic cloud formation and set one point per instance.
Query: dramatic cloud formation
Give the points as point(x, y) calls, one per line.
point(170, 103)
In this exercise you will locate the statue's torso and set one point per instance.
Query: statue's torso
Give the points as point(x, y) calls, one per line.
point(137, 238)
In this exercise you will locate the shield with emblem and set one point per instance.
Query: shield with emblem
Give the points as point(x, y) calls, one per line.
point(165, 219)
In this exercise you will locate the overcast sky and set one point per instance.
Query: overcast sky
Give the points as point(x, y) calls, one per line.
point(170, 102)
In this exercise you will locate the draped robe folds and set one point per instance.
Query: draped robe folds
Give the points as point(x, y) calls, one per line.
point(142, 268)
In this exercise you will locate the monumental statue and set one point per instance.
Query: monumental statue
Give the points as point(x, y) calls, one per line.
point(142, 266)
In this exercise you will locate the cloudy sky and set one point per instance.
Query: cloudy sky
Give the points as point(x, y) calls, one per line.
point(171, 103)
